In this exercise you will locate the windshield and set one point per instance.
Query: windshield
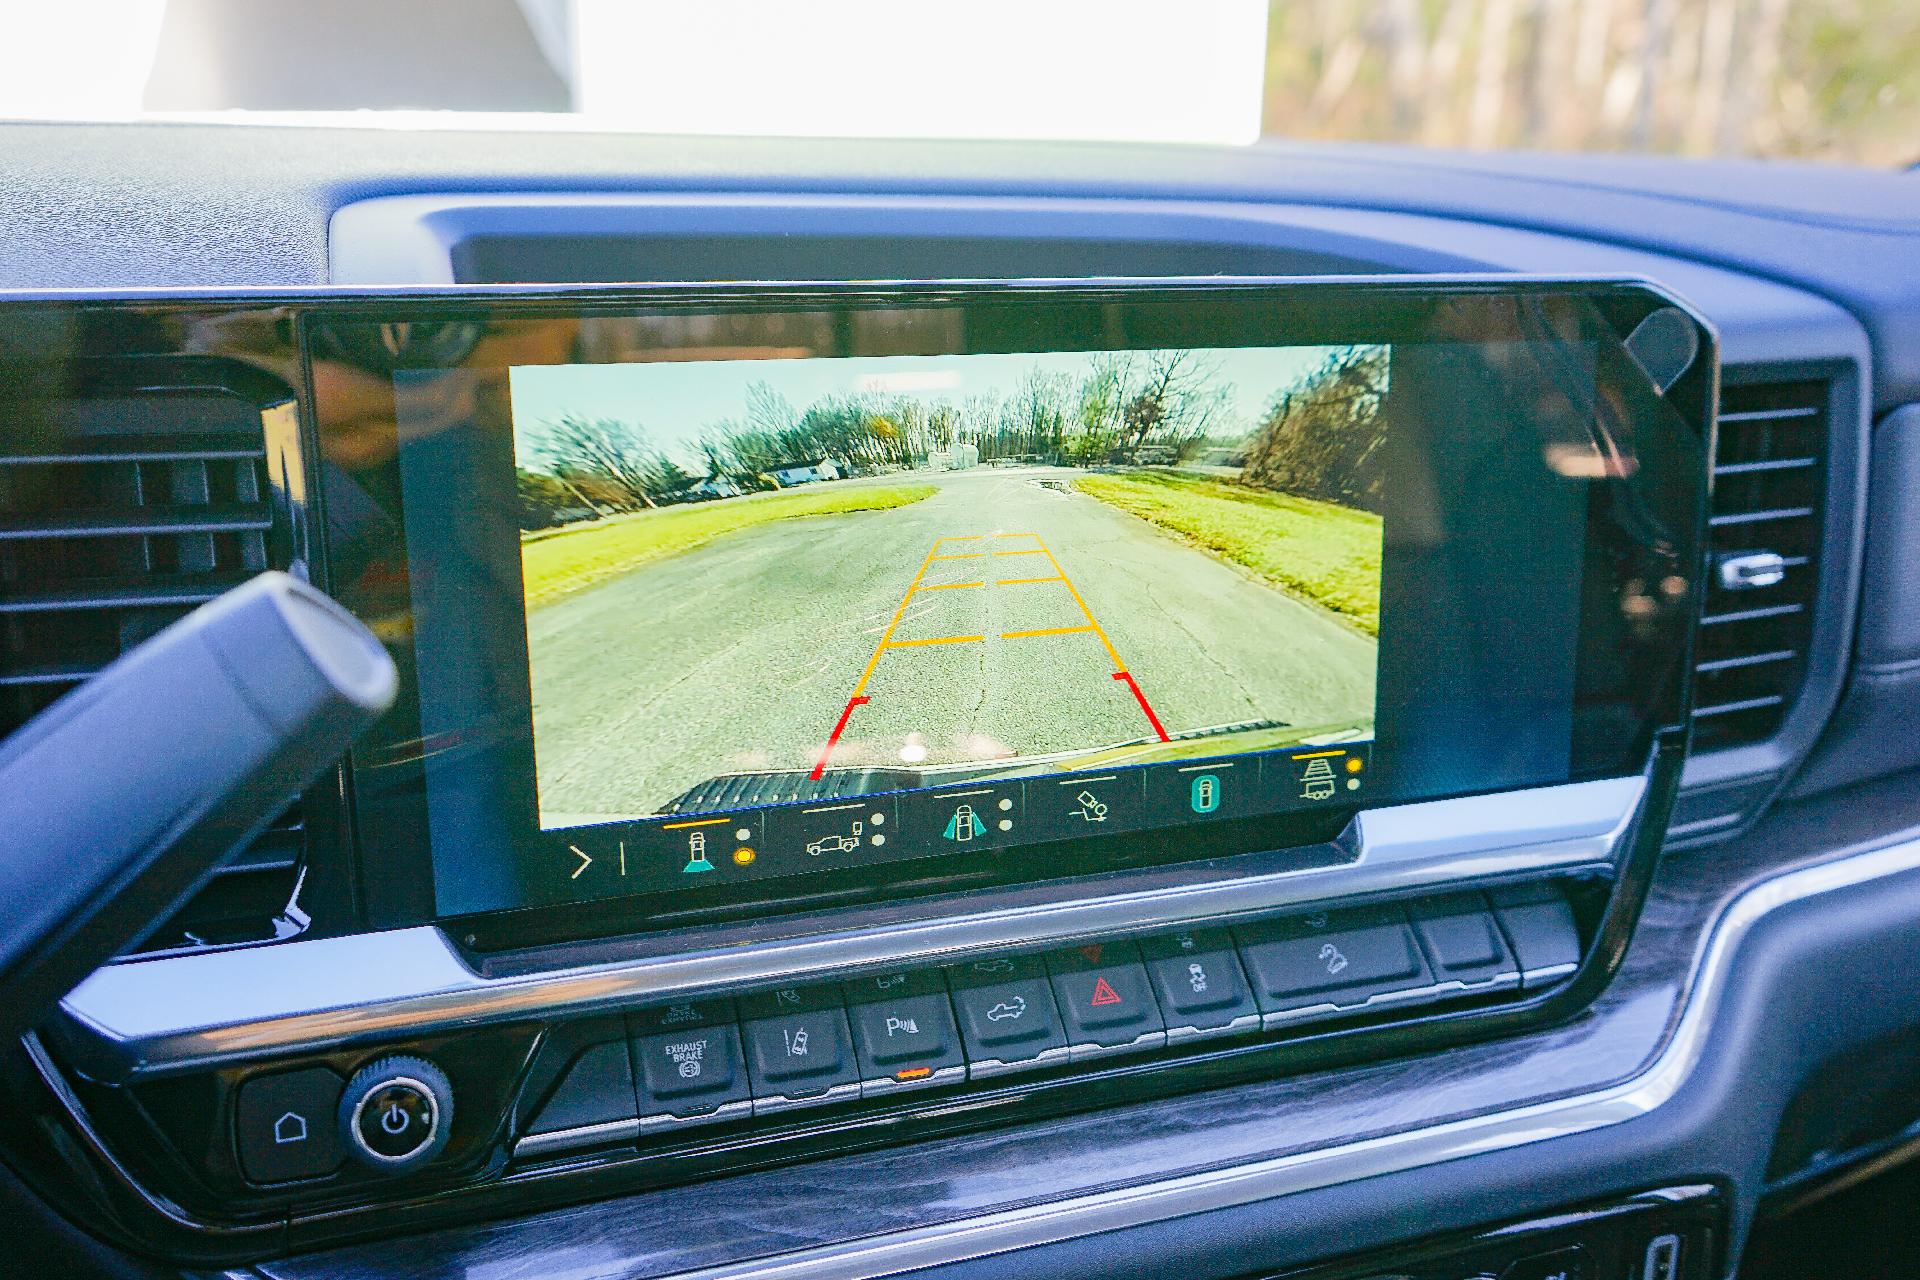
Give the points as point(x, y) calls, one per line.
point(1832, 80)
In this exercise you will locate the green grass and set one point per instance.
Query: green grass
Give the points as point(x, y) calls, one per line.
point(556, 564)
point(1319, 551)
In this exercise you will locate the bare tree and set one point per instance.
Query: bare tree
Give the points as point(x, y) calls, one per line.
point(604, 449)
point(1320, 439)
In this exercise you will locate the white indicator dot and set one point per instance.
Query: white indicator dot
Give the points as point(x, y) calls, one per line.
point(1353, 784)
point(1006, 825)
point(879, 840)
point(743, 833)
point(878, 819)
point(1005, 805)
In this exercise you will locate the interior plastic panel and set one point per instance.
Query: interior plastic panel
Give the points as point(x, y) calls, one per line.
point(1773, 1013)
point(1872, 731)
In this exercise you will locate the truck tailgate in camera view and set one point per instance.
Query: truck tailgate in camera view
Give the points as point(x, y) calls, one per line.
point(942, 568)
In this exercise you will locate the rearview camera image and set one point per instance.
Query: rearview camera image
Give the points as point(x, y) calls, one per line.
point(754, 581)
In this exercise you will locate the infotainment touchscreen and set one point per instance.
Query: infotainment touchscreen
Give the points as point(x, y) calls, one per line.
point(724, 597)
point(1059, 578)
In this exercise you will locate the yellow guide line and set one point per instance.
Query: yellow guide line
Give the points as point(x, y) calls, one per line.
point(949, 586)
point(867, 673)
point(701, 822)
point(1315, 755)
point(1034, 536)
point(972, 555)
point(1113, 653)
point(1034, 551)
point(908, 644)
point(1014, 582)
point(1046, 631)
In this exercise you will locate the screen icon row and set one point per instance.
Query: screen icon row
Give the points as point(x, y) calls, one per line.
point(693, 850)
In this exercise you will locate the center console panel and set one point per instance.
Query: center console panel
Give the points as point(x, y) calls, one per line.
point(518, 998)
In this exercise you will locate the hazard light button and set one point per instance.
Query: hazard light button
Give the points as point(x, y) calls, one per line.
point(1105, 1000)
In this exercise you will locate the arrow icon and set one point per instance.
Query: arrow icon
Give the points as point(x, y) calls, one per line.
point(586, 860)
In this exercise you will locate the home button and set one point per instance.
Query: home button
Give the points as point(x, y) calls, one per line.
point(396, 1112)
point(284, 1126)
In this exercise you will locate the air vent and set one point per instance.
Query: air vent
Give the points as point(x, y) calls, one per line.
point(120, 511)
point(1765, 542)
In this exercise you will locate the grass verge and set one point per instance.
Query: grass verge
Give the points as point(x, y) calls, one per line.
point(557, 565)
point(1319, 551)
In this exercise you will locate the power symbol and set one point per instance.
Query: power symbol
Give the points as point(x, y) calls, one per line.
point(395, 1119)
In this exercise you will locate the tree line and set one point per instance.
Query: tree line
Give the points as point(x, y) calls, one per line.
point(1129, 402)
point(1316, 438)
point(1827, 79)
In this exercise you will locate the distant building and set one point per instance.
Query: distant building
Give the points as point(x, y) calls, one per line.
point(792, 473)
point(956, 458)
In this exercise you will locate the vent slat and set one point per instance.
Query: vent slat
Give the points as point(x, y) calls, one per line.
point(1750, 615)
point(1767, 464)
point(1733, 708)
point(1746, 660)
point(49, 673)
point(1755, 517)
point(1764, 415)
point(1752, 644)
point(135, 507)
point(104, 523)
point(164, 449)
point(159, 593)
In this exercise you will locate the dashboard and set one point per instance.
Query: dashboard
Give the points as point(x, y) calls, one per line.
point(1494, 900)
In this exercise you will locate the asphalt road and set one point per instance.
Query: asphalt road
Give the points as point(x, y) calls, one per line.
point(743, 654)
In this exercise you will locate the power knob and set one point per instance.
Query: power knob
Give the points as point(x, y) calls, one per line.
point(396, 1113)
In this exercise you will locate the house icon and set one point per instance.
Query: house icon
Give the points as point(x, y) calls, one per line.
point(289, 1128)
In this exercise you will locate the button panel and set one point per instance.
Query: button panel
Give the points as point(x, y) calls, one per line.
point(1105, 1000)
point(692, 1074)
point(1325, 962)
point(871, 1036)
point(801, 1059)
point(1200, 984)
point(284, 1125)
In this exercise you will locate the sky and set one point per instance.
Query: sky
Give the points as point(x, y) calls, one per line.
point(675, 400)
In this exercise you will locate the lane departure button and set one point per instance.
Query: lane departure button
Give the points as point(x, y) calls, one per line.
point(1105, 1000)
point(800, 1059)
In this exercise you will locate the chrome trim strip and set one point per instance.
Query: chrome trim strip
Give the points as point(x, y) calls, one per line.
point(539, 1144)
point(774, 1103)
point(1014, 1229)
point(1087, 1051)
point(1245, 1024)
point(988, 1068)
point(664, 1121)
point(886, 1086)
point(151, 1017)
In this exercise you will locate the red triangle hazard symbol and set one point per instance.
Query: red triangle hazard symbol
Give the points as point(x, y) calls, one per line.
point(1103, 994)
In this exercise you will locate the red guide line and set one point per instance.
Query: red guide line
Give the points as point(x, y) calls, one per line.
point(841, 728)
point(1141, 698)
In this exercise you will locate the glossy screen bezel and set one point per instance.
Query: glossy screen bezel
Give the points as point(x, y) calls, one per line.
point(396, 866)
